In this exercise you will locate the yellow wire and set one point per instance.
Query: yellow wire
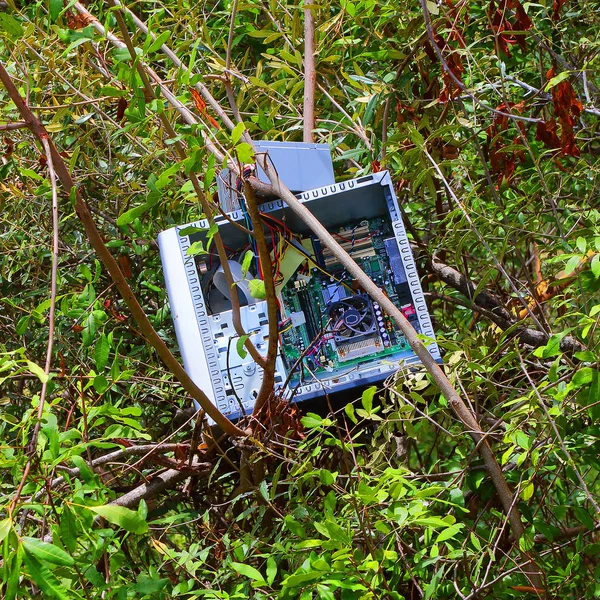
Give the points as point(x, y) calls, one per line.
point(318, 267)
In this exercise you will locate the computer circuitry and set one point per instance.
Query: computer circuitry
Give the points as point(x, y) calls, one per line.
point(329, 324)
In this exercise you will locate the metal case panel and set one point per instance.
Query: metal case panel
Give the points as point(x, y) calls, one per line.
point(301, 166)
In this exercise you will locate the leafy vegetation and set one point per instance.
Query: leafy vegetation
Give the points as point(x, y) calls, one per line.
point(487, 117)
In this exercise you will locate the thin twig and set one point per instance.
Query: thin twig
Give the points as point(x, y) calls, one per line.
point(230, 37)
point(32, 447)
point(13, 126)
point(310, 73)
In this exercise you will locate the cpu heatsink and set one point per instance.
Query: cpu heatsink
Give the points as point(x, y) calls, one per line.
point(359, 349)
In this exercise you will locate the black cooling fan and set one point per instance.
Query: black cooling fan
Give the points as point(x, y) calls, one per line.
point(352, 318)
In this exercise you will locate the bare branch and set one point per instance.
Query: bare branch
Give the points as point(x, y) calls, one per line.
point(51, 317)
point(492, 308)
point(13, 126)
point(310, 73)
point(454, 399)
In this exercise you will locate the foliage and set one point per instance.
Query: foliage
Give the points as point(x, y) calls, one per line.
point(495, 159)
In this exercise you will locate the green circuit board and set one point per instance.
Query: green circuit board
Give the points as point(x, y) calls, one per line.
point(321, 298)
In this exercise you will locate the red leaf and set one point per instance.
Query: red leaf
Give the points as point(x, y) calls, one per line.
point(546, 133)
point(451, 88)
point(566, 108)
point(504, 29)
point(125, 265)
point(558, 4)
point(201, 106)
point(121, 106)
point(78, 21)
point(198, 101)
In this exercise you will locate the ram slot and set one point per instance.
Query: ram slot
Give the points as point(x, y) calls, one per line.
point(312, 324)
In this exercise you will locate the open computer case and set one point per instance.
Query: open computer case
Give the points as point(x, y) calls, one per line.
point(332, 336)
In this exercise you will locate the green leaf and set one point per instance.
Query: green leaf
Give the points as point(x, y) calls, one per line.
point(271, 570)
point(196, 248)
point(583, 377)
point(257, 289)
point(13, 572)
point(84, 469)
point(101, 352)
point(100, 384)
point(247, 571)
point(185, 231)
point(44, 578)
point(245, 153)
point(595, 266)
point(572, 264)
point(449, 532)
point(294, 526)
point(527, 491)
point(367, 398)
point(56, 7)
point(132, 214)
point(247, 262)
point(349, 410)
point(552, 348)
point(5, 527)
point(239, 346)
point(37, 370)
point(210, 234)
point(10, 25)
point(159, 41)
point(237, 132)
point(121, 516)
point(311, 421)
point(300, 579)
point(557, 79)
point(68, 529)
point(47, 552)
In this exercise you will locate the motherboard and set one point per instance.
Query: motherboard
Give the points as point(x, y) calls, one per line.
point(329, 324)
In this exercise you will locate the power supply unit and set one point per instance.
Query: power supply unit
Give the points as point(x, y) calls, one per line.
point(332, 336)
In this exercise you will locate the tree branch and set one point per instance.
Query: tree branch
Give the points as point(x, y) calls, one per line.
point(494, 310)
point(455, 401)
point(310, 74)
point(266, 267)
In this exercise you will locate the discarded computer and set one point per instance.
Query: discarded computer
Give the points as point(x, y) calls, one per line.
point(332, 336)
